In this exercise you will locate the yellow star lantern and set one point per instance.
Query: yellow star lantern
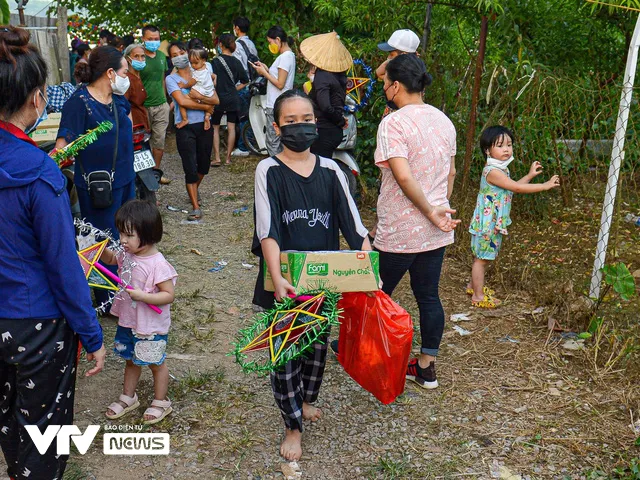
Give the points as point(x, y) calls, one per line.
point(287, 327)
point(355, 84)
point(88, 259)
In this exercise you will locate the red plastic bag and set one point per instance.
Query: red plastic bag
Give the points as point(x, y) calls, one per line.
point(375, 343)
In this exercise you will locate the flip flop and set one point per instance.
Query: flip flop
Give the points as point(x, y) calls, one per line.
point(485, 290)
point(486, 302)
point(195, 215)
point(215, 164)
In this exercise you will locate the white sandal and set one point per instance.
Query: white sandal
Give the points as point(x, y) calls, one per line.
point(119, 411)
point(158, 414)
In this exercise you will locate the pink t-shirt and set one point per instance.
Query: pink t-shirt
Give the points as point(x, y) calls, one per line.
point(427, 139)
point(146, 275)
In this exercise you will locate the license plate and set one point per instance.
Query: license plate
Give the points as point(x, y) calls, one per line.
point(143, 160)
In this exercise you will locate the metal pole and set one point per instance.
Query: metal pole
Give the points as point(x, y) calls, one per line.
point(617, 155)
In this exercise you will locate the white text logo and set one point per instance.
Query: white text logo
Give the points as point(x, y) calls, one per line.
point(136, 444)
point(63, 435)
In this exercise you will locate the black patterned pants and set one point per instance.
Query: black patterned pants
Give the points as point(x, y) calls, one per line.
point(37, 385)
point(297, 382)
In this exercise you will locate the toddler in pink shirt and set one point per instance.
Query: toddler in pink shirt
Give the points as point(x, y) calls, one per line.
point(142, 334)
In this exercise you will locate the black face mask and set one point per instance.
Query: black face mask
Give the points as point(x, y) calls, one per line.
point(390, 103)
point(298, 136)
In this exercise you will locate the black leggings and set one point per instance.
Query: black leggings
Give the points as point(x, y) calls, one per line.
point(37, 383)
point(194, 146)
point(327, 141)
point(424, 268)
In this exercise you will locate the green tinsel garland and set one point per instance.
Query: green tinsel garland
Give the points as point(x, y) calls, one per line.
point(82, 142)
point(296, 349)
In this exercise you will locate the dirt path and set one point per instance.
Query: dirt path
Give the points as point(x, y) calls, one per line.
point(511, 398)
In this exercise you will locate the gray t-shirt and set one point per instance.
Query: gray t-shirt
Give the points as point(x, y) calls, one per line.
point(240, 52)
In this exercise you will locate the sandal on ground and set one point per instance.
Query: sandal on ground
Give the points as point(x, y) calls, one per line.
point(486, 302)
point(119, 411)
point(195, 215)
point(485, 290)
point(164, 409)
point(215, 164)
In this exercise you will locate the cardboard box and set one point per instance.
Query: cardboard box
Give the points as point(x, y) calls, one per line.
point(53, 120)
point(341, 271)
point(44, 135)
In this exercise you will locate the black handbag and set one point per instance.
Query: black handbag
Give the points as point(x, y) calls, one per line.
point(100, 182)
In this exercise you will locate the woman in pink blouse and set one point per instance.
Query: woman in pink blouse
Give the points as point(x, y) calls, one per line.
point(415, 152)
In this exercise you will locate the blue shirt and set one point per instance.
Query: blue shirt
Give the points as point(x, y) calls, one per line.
point(82, 112)
point(194, 116)
point(40, 274)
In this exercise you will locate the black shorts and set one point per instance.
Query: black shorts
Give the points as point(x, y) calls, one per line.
point(232, 116)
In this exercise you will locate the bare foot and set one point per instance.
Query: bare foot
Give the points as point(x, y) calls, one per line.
point(291, 448)
point(183, 123)
point(309, 412)
point(207, 123)
point(228, 161)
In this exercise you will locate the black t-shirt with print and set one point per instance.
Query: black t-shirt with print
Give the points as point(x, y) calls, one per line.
point(305, 214)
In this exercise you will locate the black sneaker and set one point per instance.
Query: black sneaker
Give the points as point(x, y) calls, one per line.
point(334, 347)
point(425, 377)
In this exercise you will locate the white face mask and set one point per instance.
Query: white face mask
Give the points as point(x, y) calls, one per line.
point(121, 85)
point(501, 164)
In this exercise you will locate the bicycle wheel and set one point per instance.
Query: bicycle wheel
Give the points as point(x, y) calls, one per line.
point(250, 140)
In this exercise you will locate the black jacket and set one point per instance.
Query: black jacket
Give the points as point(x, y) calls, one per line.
point(328, 95)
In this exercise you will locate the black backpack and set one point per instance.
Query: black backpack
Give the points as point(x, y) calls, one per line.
point(251, 58)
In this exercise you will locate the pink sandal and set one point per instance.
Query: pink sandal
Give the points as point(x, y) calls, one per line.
point(157, 413)
point(119, 411)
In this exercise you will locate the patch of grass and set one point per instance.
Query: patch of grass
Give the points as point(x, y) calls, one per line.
point(239, 441)
point(191, 382)
point(200, 335)
point(211, 315)
point(75, 472)
point(389, 468)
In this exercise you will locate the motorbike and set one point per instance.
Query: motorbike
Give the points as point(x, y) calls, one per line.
point(147, 175)
point(254, 133)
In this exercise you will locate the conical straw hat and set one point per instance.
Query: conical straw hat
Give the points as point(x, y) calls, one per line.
point(327, 52)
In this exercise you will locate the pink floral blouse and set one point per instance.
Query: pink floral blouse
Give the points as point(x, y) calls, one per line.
point(427, 139)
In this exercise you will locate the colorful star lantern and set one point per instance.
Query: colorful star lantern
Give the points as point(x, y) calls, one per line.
point(88, 259)
point(356, 86)
point(286, 332)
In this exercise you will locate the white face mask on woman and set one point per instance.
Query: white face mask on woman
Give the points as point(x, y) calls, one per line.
point(121, 85)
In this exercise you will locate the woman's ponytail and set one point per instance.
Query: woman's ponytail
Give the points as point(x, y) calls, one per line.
point(410, 71)
point(82, 72)
point(22, 69)
point(426, 80)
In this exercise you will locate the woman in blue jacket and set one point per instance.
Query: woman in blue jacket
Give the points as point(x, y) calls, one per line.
point(46, 303)
point(101, 99)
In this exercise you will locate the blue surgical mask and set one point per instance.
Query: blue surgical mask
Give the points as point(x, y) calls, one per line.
point(138, 65)
point(41, 116)
point(152, 45)
point(219, 51)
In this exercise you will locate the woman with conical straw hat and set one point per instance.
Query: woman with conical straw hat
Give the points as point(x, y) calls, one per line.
point(329, 88)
